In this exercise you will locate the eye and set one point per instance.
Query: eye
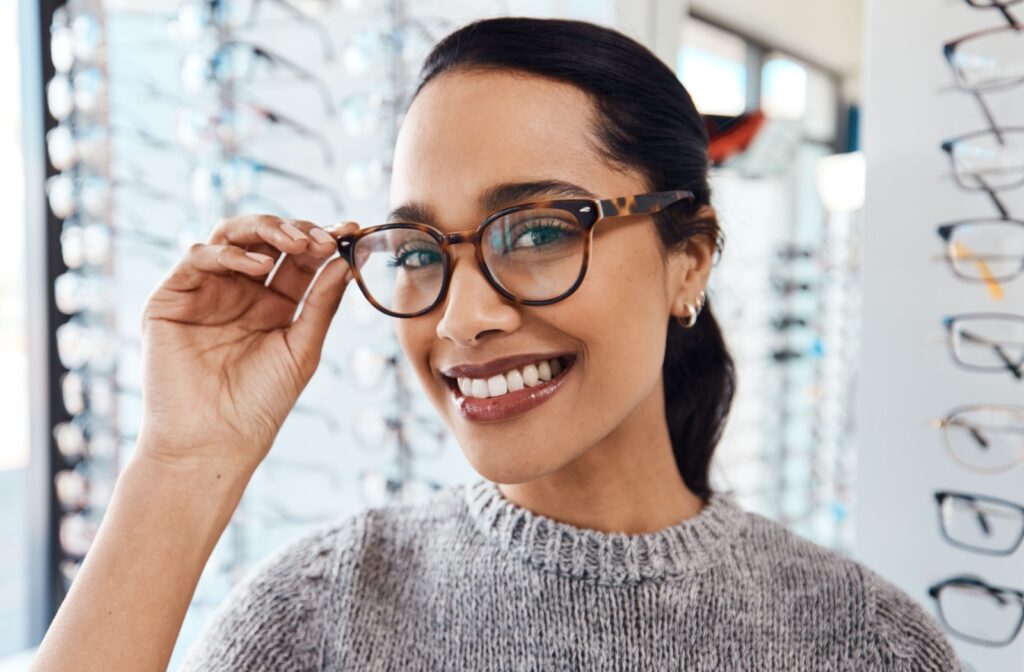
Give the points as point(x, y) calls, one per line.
point(410, 257)
point(534, 234)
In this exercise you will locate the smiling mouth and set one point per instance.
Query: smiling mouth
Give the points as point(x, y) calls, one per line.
point(531, 376)
point(516, 390)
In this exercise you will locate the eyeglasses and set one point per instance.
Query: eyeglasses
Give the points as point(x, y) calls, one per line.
point(980, 523)
point(988, 60)
point(979, 612)
point(239, 60)
point(987, 341)
point(984, 250)
point(533, 254)
point(985, 438)
point(238, 178)
point(241, 124)
point(989, 160)
point(1002, 5)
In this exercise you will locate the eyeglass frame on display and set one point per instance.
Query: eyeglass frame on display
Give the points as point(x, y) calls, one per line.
point(947, 147)
point(994, 591)
point(1002, 5)
point(940, 497)
point(945, 422)
point(945, 231)
point(949, 50)
point(275, 60)
point(1014, 368)
point(586, 211)
point(261, 167)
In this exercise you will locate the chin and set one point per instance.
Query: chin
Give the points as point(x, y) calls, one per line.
point(520, 458)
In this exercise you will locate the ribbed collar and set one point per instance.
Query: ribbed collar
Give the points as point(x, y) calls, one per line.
point(609, 558)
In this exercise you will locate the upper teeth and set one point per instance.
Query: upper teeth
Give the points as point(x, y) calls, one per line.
point(530, 375)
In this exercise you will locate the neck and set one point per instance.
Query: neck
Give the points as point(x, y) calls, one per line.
point(627, 482)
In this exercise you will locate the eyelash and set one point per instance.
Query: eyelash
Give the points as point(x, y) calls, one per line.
point(398, 259)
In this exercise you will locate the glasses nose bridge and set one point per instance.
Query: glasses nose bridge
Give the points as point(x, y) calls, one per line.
point(457, 237)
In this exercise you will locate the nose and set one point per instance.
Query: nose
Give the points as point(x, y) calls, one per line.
point(473, 308)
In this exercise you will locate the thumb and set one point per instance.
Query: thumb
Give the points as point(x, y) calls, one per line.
point(307, 333)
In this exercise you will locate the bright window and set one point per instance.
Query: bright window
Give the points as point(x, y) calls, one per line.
point(712, 64)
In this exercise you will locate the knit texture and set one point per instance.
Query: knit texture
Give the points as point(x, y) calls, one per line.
point(469, 580)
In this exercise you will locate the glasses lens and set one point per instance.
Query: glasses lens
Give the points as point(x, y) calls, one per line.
point(988, 439)
point(401, 268)
point(981, 523)
point(990, 161)
point(980, 612)
point(990, 61)
point(990, 343)
point(987, 250)
point(535, 254)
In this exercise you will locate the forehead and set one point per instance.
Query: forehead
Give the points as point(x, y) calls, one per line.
point(467, 131)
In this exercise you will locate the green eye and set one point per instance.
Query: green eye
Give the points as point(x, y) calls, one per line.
point(532, 235)
point(415, 258)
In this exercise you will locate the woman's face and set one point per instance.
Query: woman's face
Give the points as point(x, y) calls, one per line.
point(465, 133)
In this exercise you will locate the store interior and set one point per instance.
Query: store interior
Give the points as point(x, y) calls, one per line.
point(868, 160)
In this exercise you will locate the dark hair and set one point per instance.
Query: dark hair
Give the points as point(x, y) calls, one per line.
point(646, 121)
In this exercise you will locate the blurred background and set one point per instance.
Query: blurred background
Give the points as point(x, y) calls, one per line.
point(867, 159)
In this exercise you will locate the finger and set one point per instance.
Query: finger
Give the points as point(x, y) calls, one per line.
point(296, 271)
point(307, 334)
point(257, 229)
point(202, 260)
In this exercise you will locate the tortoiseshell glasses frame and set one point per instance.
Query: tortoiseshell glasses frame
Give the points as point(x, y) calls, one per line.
point(586, 211)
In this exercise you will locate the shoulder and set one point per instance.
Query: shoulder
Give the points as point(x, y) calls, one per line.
point(277, 611)
point(894, 629)
point(909, 638)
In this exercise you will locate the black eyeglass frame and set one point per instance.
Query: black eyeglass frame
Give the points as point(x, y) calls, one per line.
point(1002, 5)
point(997, 593)
point(942, 495)
point(951, 322)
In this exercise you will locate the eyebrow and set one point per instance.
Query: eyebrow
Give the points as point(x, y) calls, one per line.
point(495, 198)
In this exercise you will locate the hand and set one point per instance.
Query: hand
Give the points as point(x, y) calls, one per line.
point(223, 358)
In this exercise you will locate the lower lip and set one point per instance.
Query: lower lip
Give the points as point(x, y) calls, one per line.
point(510, 404)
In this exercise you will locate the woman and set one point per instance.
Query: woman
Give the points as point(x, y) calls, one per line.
point(589, 379)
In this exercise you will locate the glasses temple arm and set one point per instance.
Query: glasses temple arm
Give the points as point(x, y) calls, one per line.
point(1010, 18)
point(989, 117)
point(1004, 213)
point(645, 204)
point(1013, 367)
point(300, 72)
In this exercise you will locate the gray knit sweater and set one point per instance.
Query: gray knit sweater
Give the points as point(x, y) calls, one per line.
point(470, 581)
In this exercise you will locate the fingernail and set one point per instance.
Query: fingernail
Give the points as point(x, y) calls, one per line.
point(321, 236)
point(256, 256)
point(293, 231)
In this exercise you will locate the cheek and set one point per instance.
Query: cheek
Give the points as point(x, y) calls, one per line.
point(416, 337)
point(620, 313)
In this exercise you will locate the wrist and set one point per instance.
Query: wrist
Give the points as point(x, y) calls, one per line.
point(190, 455)
point(219, 483)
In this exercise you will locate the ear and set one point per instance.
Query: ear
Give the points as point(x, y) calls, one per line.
point(689, 267)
